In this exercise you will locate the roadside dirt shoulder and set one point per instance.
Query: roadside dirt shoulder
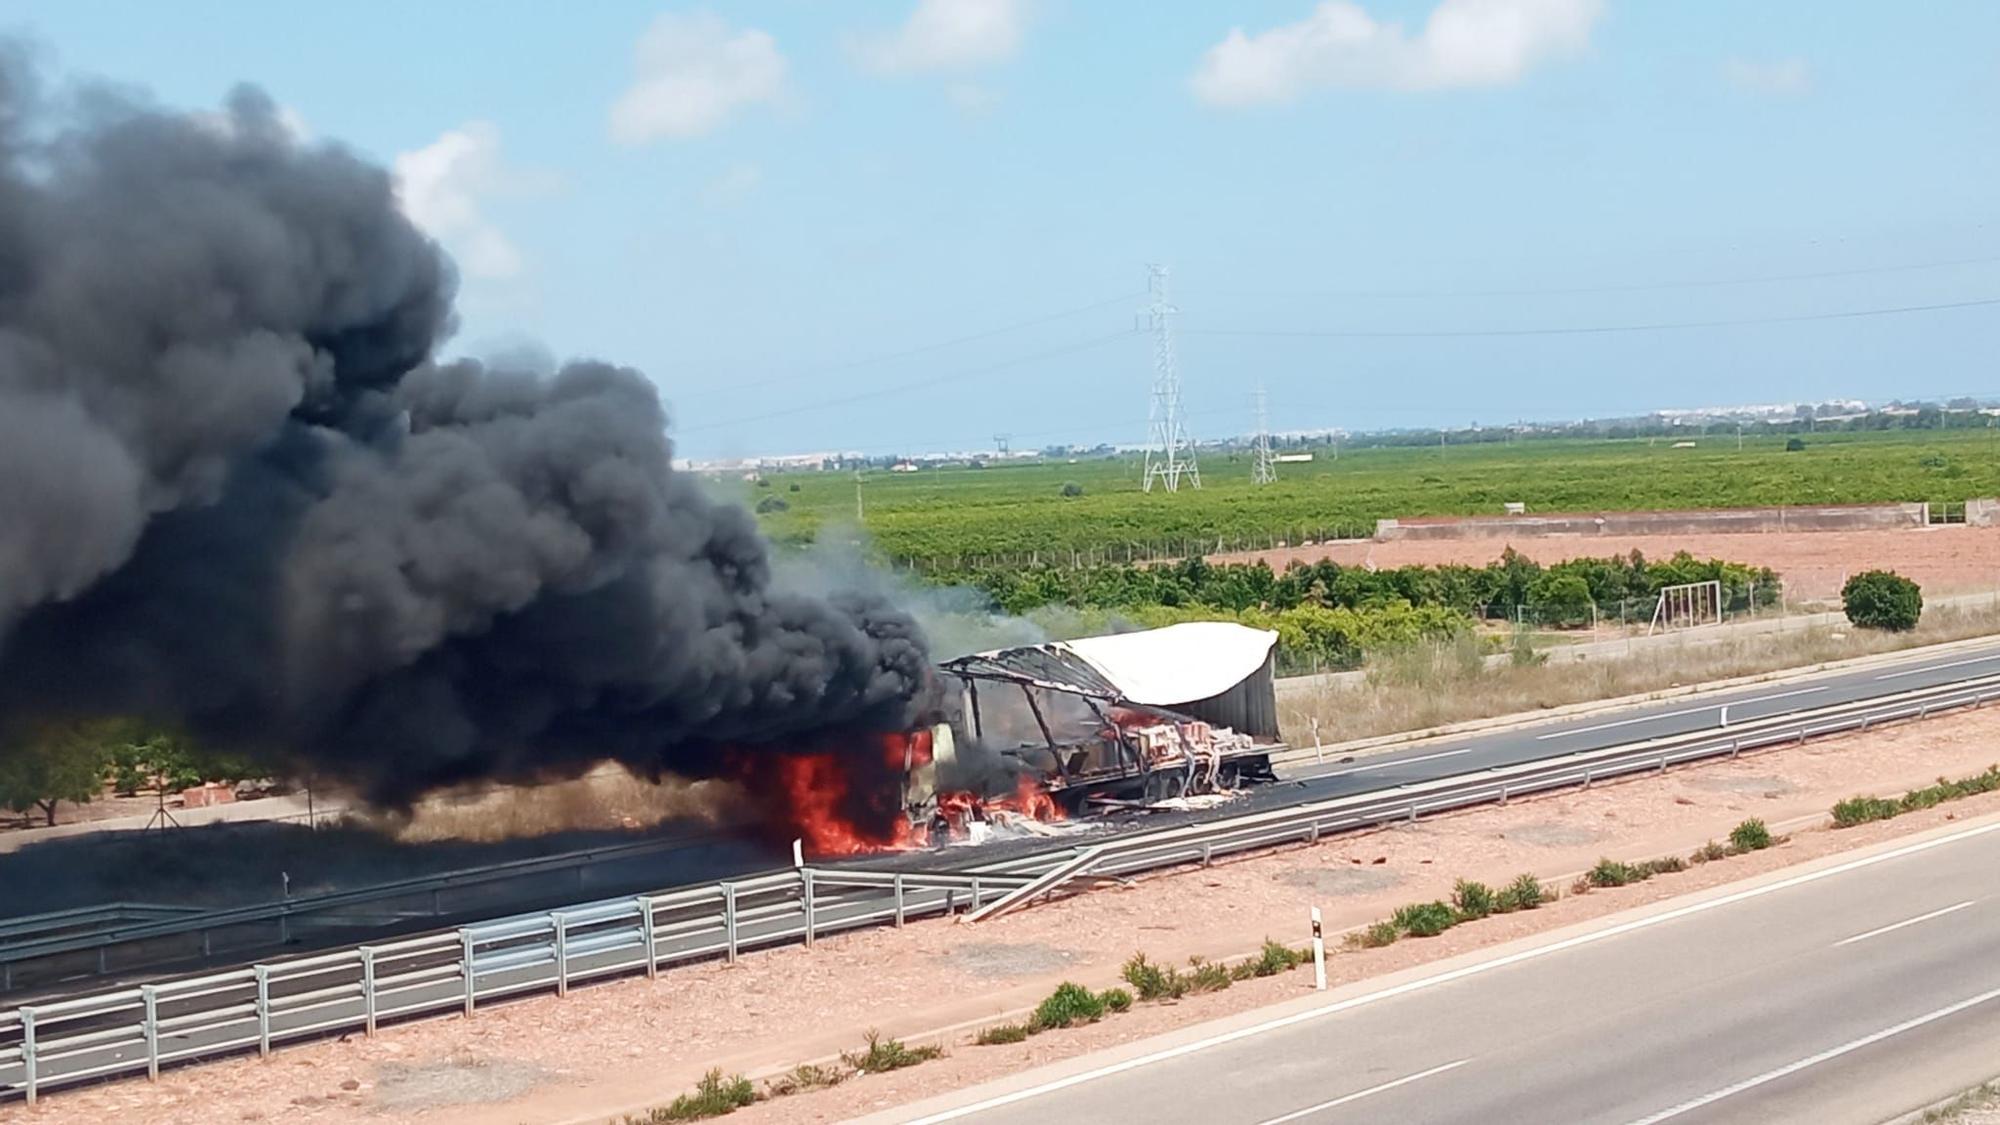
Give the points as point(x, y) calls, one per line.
point(622, 1045)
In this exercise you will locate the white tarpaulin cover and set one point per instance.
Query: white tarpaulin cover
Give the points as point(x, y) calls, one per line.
point(1177, 664)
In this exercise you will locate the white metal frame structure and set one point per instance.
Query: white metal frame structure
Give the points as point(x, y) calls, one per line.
point(1169, 453)
point(1689, 605)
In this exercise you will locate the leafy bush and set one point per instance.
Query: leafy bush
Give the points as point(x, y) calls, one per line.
point(1068, 1005)
point(889, 1054)
point(1375, 936)
point(792, 487)
point(1473, 900)
point(1524, 893)
point(1710, 852)
point(1115, 999)
point(1002, 1033)
point(1612, 873)
point(1207, 976)
point(1071, 488)
point(1154, 982)
point(771, 504)
point(804, 1077)
point(1861, 810)
point(1750, 836)
point(1424, 919)
point(1276, 958)
point(713, 1096)
point(1795, 445)
point(1882, 599)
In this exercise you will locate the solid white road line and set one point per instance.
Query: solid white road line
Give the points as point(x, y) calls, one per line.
point(1398, 762)
point(1679, 714)
point(1937, 667)
point(1905, 922)
point(1814, 1060)
point(1369, 1092)
point(1424, 983)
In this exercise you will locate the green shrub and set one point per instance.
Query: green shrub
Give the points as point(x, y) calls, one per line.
point(1153, 982)
point(1003, 1033)
point(1750, 836)
point(1207, 976)
point(1795, 445)
point(1276, 958)
point(805, 1077)
point(1375, 936)
point(1473, 900)
point(771, 504)
point(1710, 852)
point(889, 1054)
point(1524, 893)
point(1071, 488)
point(1612, 873)
point(1115, 999)
point(1424, 919)
point(1243, 970)
point(1068, 1005)
point(713, 1096)
point(1861, 810)
point(1665, 865)
point(1882, 599)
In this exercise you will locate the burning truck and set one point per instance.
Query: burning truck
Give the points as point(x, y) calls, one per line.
point(1040, 732)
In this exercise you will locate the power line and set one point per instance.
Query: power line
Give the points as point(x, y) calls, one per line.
point(1585, 330)
point(922, 349)
point(1635, 287)
point(918, 384)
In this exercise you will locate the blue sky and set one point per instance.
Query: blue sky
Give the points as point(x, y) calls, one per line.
point(754, 203)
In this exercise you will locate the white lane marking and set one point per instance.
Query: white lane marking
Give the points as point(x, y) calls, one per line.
point(1369, 1092)
point(1679, 714)
point(1892, 927)
point(1814, 1060)
point(1398, 762)
point(1446, 977)
point(1937, 667)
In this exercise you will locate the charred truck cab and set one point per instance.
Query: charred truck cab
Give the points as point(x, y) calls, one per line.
point(1098, 722)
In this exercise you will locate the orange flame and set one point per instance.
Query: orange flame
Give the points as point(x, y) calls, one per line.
point(815, 790)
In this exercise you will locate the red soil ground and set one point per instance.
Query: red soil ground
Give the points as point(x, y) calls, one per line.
point(1814, 564)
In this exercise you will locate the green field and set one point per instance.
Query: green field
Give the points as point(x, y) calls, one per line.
point(956, 516)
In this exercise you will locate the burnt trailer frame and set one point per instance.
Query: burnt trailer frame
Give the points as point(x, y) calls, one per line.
point(1053, 669)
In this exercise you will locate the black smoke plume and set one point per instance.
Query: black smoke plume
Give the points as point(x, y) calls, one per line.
point(238, 493)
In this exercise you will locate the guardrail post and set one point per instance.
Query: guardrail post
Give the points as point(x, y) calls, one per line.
point(1503, 794)
point(28, 1075)
point(1586, 779)
point(729, 922)
point(562, 954)
point(1413, 812)
point(899, 900)
point(806, 892)
point(1735, 745)
point(646, 935)
point(975, 892)
point(465, 967)
point(1663, 763)
point(263, 1011)
point(367, 990)
point(1208, 851)
point(151, 1028)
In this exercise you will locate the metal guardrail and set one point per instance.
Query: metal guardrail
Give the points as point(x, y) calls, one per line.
point(130, 1030)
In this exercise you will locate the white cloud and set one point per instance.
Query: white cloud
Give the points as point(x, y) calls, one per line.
point(1781, 76)
point(442, 185)
point(693, 73)
point(733, 185)
point(944, 35)
point(1463, 43)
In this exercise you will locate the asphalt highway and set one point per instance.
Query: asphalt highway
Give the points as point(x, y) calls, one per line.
point(1849, 991)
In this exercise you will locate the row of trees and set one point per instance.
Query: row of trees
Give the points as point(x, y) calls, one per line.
point(76, 761)
point(1557, 593)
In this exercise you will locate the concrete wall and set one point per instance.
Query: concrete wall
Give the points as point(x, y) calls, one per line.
point(1846, 517)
